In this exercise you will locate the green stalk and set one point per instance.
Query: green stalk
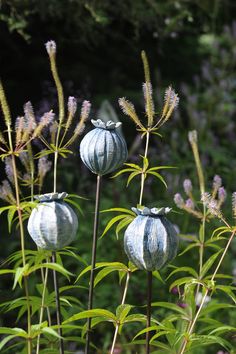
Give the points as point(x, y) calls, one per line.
point(190, 330)
point(122, 303)
point(93, 263)
point(42, 307)
point(143, 173)
point(58, 307)
point(7, 116)
point(149, 274)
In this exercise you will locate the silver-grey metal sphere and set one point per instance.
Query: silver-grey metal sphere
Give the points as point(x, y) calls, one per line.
point(103, 149)
point(53, 223)
point(150, 241)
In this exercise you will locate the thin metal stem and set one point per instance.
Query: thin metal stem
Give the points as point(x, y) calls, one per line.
point(58, 308)
point(149, 309)
point(93, 263)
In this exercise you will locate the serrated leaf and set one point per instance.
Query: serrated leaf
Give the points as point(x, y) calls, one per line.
point(183, 269)
point(51, 331)
point(131, 176)
point(19, 274)
point(208, 264)
point(133, 165)
point(184, 280)
point(123, 223)
point(125, 170)
point(122, 210)
point(115, 266)
point(188, 249)
point(76, 205)
point(112, 222)
point(169, 306)
point(158, 176)
point(122, 312)
point(54, 266)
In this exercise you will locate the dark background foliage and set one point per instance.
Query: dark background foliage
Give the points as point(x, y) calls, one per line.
point(190, 44)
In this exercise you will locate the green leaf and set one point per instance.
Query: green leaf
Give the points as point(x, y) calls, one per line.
point(214, 307)
point(122, 210)
point(76, 205)
point(158, 176)
point(159, 168)
point(131, 176)
point(188, 248)
point(157, 275)
point(112, 222)
point(92, 313)
point(228, 290)
point(184, 280)
point(136, 167)
point(122, 312)
point(115, 266)
point(125, 170)
point(5, 340)
point(7, 271)
point(123, 223)
point(19, 274)
point(183, 269)
point(10, 216)
point(169, 306)
point(208, 264)
point(54, 266)
point(51, 331)
point(2, 209)
point(16, 331)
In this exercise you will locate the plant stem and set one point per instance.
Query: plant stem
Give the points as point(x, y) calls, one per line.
point(93, 263)
point(122, 303)
point(190, 331)
point(55, 172)
point(143, 173)
point(45, 278)
point(58, 308)
point(22, 237)
point(149, 309)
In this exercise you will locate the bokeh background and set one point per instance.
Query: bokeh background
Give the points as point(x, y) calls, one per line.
point(190, 44)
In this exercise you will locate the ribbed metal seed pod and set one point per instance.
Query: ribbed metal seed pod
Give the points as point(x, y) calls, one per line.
point(150, 241)
point(103, 149)
point(52, 224)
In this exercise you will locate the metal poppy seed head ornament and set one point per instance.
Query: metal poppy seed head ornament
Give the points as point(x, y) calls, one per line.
point(151, 240)
point(103, 149)
point(52, 224)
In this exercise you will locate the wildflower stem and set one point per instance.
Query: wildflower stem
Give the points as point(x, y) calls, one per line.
point(55, 172)
point(122, 303)
point(58, 307)
point(191, 328)
point(45, 279)
point(93, 263)
point(143, 173)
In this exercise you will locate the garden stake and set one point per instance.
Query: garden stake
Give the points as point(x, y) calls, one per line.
point(58, 309)
point(93, 264)
point(149, 309)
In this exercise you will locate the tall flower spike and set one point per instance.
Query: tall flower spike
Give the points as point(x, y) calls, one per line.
point(187, 184)
point(211, 204)
point(29, 117)
point(171, 100)
point(45, 120)
point(192, 137)
point(6, 192)
point(179, 200)
point(222, 195)
point(128, 109)
point(43, 167)
point(9, 169)
point(19, 128)
point(234, 204)
point(51, 47)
